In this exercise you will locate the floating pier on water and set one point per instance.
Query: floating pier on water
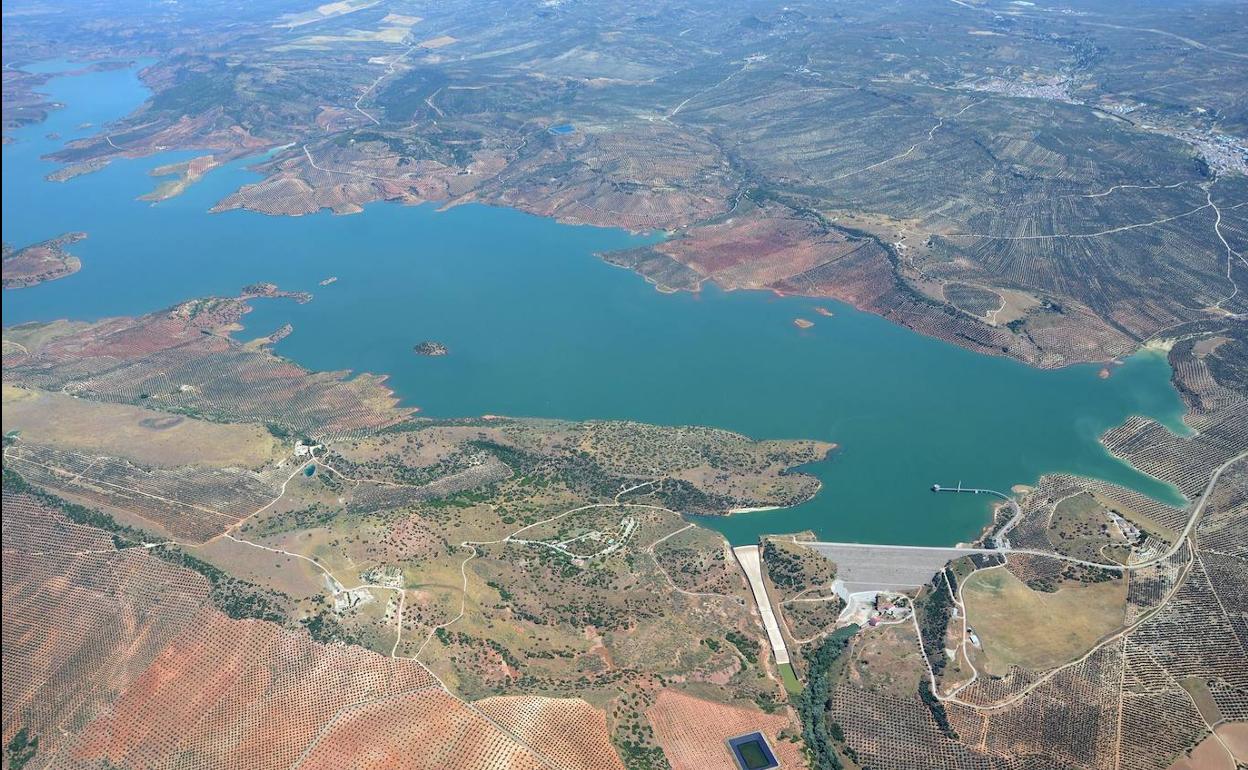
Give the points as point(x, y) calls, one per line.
point(970, 490)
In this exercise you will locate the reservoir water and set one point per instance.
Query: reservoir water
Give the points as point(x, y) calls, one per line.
point(537, 326)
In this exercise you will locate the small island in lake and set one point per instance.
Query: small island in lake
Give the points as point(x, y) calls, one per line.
point(41, 262)
point(431, 348)
point(271, 290)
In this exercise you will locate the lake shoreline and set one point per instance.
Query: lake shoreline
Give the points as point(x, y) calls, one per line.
point(539, 326)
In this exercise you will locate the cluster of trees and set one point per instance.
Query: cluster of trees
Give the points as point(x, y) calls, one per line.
point(747, 646)
point(20, 749)
point(814, 704)
point(934, 607)
point(325, 627)
point(240, 599)
point(937, 708)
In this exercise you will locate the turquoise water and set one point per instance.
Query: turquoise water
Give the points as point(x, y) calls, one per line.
point(537, 326)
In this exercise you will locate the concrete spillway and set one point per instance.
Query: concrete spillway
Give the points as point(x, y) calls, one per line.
point(750, 560)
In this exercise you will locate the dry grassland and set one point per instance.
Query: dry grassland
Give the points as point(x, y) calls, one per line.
point(437, 42)
point(154, 439)
point(1037, 630)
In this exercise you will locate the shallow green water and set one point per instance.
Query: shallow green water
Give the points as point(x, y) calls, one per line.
point(537, 326)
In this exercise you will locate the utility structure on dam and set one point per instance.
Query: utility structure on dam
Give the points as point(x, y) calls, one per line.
point(999, 539)
point(971, 490)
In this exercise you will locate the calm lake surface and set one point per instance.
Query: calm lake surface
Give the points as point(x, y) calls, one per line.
point(538, 326)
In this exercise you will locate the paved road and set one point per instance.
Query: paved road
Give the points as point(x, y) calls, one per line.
point(750, 560)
